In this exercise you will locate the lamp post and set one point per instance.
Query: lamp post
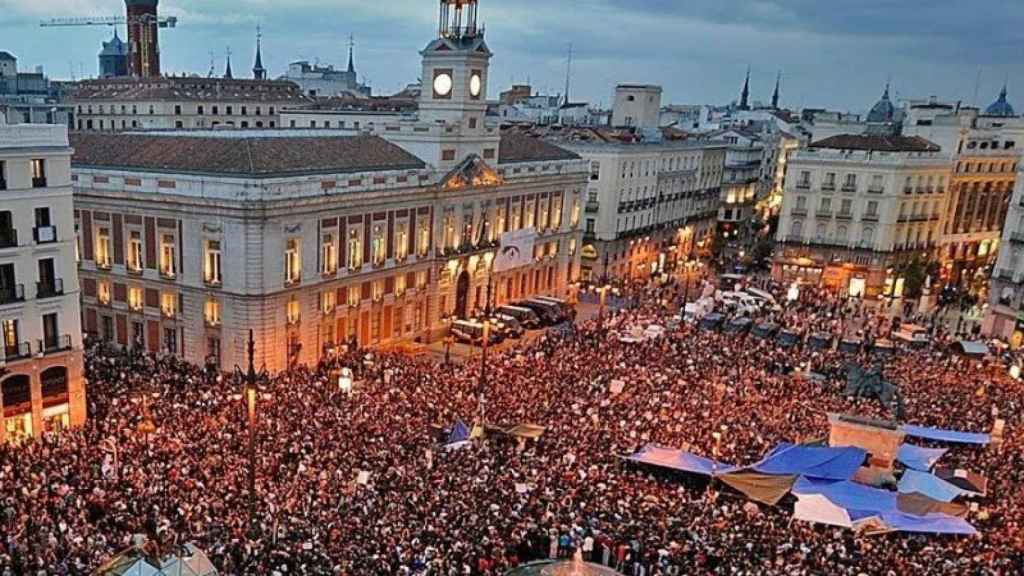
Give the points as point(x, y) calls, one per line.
point(448, 340)
point(602, 290)
point(251, 392)
point(487, 338)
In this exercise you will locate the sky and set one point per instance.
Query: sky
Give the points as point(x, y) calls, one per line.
point(836, 54)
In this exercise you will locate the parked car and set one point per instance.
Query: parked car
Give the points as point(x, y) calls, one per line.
point(528, 318)
point(471, 332)
point(712, 321)
point(566, 308)
point(820, 340)
point(787, 338)
point(738, 325)
point(512, 327)
point(765, 331)
point(549, 312)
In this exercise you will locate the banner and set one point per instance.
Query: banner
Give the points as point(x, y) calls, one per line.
point(516, 250)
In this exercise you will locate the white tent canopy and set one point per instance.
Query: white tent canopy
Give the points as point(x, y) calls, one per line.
point(188, 561)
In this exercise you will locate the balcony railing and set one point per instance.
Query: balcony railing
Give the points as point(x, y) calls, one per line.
point(869, 218)
point(19, 351)
point(803, 185)
point(11, 294)
point(167, 273)
point(44, 234)
point(50, 289)
point(829, 187)
point(54, 345)
point(823, 213)
point(798, 211)
point(844, 216)
point(876, 189)
point(9, 238)
point(794, 239)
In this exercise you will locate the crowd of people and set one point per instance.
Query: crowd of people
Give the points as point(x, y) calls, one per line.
point(359, 484)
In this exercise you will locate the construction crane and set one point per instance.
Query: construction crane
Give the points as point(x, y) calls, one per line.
point(161, 21)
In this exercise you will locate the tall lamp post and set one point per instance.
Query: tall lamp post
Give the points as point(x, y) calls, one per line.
point(487, 337)
point(251, 392)
point(602, 291)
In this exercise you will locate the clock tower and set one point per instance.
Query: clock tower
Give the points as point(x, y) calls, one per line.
point(455, 69)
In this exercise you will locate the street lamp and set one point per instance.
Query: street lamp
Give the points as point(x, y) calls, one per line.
point(251, 393)
point(487, 337)
point(448, 339)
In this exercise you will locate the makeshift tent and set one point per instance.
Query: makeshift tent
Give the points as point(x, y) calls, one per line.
point(835, 463)
point(972, 348)
point(526, 431)
point(929, 485)
point(850, 345)
point(858, 502)
point(680, 460)
point(187, 561)
point(964, 479)
point(765, 488)
point(941, 435)
point(459, 433)
point(820, 340)
point(919, 458)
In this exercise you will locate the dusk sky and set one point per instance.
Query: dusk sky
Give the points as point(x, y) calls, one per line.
point(834, 53)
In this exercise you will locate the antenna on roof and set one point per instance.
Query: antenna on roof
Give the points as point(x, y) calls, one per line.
point(568, 74)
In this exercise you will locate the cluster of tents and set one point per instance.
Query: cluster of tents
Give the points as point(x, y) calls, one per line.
point(825, 483)
point(459, 434)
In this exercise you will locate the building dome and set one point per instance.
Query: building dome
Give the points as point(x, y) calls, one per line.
point(883, 110)
point(1000, 107)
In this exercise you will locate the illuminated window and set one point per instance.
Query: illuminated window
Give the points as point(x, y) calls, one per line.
point(450, 236)
point(378, 246)
point(135, 298)
point(167, 251)
point(399, 284)
point(135, 251)
point(377, 287)
point(292, 261)
point(211, 266)
point(103, 247)
point(355, 249)
point(292, 310)
point(212, 312)
point(103, 292)
point(572, 247)
point(329, 255)
point(556, 212)
point(499, 219)
point(423, 244)
point(401, 240)
point(530, 219)
point(328, 300)
point(353, 296)
point(543, 221)
point(575, 213)
point(168, 304)
point(421, 279)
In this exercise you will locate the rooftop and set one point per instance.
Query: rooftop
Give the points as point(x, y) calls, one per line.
point(190, 88)
point(877, 143)
point(517, 147)
point(242, 154)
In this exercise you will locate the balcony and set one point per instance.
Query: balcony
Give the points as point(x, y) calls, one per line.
point(54, 345)
point(103, 264)
point(876, 190)
point(828, 187)
point(12, 294)
point(212, 282)
point(1017, 237)
point(9, 238)
point(44, 234)
point(166, 273)
point(39, 182)
point(844, 216)
point(869, 218)
point(804, 185)
point(19, 351)
point(849, 188)
point(823, 213)
point(798, 211)
point(794, 239)
point(592, 207)
point(50, 289)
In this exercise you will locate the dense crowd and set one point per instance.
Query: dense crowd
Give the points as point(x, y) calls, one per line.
point(359, 484)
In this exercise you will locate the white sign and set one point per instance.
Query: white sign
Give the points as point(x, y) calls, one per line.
point(516, 249)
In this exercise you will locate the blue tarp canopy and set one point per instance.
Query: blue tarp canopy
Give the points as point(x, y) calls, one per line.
point(930, 485)
point(459, 433)
point(934, 523)
point(973, 348)
point(849, 495)
point(680, 460)
point(919, 458)
point(812, 461)
point(946, 435)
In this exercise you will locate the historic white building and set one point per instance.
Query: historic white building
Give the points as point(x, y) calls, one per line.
point(856, 207)
point(41, 384)
point(314, 239)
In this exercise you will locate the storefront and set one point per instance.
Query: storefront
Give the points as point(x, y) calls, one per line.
point(16, 392)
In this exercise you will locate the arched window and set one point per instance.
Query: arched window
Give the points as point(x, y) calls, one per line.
point(868, 235)
point(17, 393)
point(798, 228)
point(54, 382)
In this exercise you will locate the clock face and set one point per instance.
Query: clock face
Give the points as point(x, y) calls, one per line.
point(442, 84)
point(475, 84)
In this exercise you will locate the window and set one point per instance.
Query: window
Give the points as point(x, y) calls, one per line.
point(199, 110)
point(423, 243)
point(876, 183)
point(805, 180)
point(399, 284)
point(377, 289)
point(575, 219)
point(168, 304)
point(378, 246)
point(850, 184)
point(10, 334)
point(517, 221)
point(543, 219)
point(103, 292)
point(212, 312)
point(135, 251)
point(328, 255)
point(847, 207)
point(449, 231)
point(211, 266)
point(872, 208)
point(595, 171)
point(328, 300)
point(171, 341)
point(556, 212)
point(292, 261)
point(135, 298)
point(51, 339)
point(353, 296)
point(355, 249)
point(103, 247)
point(292, 310)
point(421, 279)
point(801, 202)
point(38, 173)
point(830, 181)
point(167, 256)
point(530, 219)
point(229, 111)
point(401, 240)
point(590, 226)
point(447, 155)
point(3, 175)
point(177, 110)
point(826, 205)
